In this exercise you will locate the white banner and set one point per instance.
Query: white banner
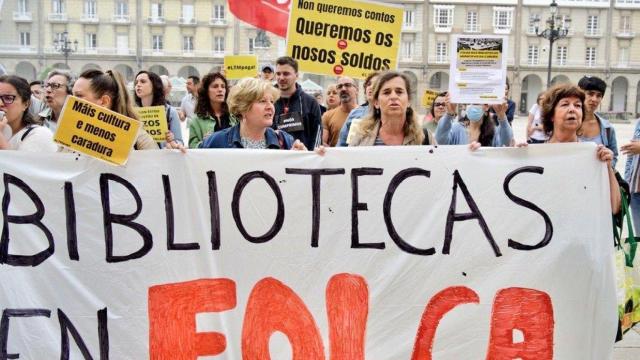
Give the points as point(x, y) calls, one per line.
point(377, 253)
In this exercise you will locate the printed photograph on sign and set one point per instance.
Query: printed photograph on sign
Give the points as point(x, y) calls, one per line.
point(478, 69)
point(350, 38)
point(96, 131)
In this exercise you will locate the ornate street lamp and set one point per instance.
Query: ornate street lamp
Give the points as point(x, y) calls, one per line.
point(556, 29)
point(63, 46)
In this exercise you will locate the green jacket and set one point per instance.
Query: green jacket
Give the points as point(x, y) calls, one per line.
point(201, 127)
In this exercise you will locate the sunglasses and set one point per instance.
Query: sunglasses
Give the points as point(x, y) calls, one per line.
point(53, 86)
point(8, 99)
point(436, 104)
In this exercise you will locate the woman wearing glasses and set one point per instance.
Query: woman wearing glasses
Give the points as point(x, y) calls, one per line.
point(438, 109)
point(19, 130)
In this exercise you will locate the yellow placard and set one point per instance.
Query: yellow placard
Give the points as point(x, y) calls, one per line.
point(428, 97)
point(341, 37)
point(154, 120)
point(96, 131)
point(240, 66)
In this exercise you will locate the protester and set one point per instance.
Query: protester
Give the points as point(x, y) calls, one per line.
point(212, 112)
point(252, 101)
point(36, 89)
point(57, 87)
point(480, 129)
point(20, 130)
point(296, 112)
point(149, 92)
point(361, 111)
point(632, 174)
point(188, 102)
point(333, 100)
point(438, 109)
point(562, 113)
point(333, 120)
point(594, 127)
point(319, 99)
point(108, 89)
point(511, 106)
point(267, 73)
point(391, 120)
point(167, 87)
point(535, 130)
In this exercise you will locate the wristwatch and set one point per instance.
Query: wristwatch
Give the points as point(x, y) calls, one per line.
point(452, 114)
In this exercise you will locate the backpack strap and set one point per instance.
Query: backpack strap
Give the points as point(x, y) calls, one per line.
point(29, 128)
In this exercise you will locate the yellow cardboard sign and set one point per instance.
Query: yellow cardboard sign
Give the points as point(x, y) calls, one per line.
point(96, 131)
point(428, 97)
point(154, 120)
point(342, 37)
point(240, 66)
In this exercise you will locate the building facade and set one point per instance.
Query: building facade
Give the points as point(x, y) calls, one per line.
point(185, 37)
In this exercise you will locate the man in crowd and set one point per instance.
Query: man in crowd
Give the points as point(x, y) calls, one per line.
point(333, 120)
point(296, 112)
point(36, 89)
point(56, 89)
point(188, 103)
point(361, 111)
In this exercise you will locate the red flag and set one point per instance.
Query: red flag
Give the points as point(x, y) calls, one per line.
point(268, 15)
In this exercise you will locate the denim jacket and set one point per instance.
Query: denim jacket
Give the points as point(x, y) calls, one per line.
point(229, 138)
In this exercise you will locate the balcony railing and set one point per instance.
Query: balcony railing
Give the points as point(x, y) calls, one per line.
point(58, 17)
point(218, 22)
point(89, 18)
point(156, 20)
point(625, 34)
point(593, 33)
point(187, 21)
point(501, 29)
point(22, 16)
point(121, 19)
point(472, 29)
point(442, 28)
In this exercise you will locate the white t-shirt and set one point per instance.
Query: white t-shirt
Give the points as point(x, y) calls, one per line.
point(537, 120)
point(39, 139)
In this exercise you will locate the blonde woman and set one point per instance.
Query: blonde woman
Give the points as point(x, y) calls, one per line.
point(251, 100)
point(391, 121)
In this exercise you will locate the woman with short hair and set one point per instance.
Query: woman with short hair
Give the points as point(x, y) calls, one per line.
point(251, 102)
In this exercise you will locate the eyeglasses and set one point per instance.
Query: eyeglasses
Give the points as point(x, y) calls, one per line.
point(53, 86)
point(436, 104)
point(8, 99)
point(345, 85)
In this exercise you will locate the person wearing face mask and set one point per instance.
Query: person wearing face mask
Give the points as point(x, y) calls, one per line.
point(480, 129)
point(333, 120)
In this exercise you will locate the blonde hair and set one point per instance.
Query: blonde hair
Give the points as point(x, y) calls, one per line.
point(248, 91)
point(411, 126)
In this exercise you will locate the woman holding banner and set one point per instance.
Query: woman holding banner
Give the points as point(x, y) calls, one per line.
point(19, 130)
point(212, 111)
point(150, 92)
point(251, 101)
point(391, 120)
point(480, 130)
point(108, 89)
point(562, 111)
